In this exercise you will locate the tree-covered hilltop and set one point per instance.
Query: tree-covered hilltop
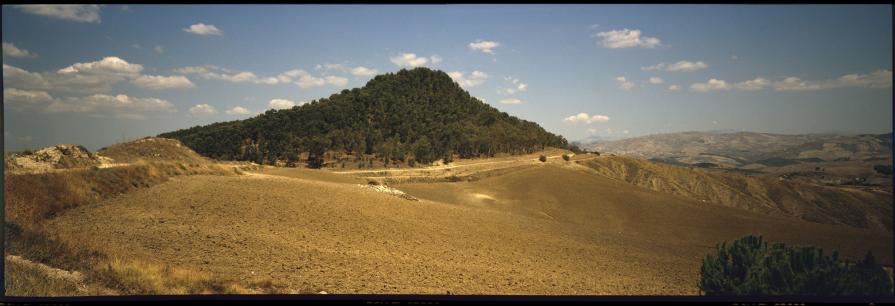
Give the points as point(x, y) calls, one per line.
point(416, 115)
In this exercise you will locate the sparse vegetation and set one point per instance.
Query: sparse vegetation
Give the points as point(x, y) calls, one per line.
point(748, 266)
point(542, 158)
point(565, 157)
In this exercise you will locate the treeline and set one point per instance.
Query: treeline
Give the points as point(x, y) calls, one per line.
point(417, 115)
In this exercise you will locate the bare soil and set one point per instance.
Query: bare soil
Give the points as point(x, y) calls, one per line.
point(545, 229)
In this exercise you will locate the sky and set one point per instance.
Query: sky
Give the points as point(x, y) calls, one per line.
point(98, 75)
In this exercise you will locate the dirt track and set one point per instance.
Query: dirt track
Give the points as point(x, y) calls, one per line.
point(541, 230)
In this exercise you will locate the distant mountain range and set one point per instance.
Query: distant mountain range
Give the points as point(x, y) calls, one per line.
point(749, 150)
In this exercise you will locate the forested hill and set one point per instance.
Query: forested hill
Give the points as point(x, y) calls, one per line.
point(419, 114)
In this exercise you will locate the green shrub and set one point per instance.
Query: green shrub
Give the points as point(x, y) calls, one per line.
point(542, 158)
point(565, 157)
point(749, 266)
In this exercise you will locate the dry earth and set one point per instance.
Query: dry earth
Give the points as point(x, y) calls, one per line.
point(546, 228)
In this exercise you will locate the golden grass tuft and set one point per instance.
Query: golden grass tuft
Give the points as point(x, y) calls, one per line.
point(27, 280)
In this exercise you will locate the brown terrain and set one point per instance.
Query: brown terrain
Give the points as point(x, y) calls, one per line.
point(593, 225)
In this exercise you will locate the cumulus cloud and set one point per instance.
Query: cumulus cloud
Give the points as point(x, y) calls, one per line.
point(656, 80)
point(71, 12)
point(877, 79)
point(435, 58)
point(484, 46)
point(618, 39)
point(163, 82)
point(18, 99)
point(624, 83)
point(712, 84)
point(364, 71)
point(295, 76)
point(752, 85)
point(585, 118)
point(94, 77)
point(475, 78)
point(203, 29)
point(409, 60)
point(336, 80)
point(11, 50)
point(679, 66)
point(203, 109)
point(108, 65)
point(238, 110)
point(674, 88)
point(283, 103)
point(20, 78)
point(121, 105)
point(517, 86)
point(511, 101)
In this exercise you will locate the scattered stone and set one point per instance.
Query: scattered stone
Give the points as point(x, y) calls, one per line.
point(391, 191)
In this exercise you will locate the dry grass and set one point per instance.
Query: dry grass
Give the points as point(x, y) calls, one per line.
point(151, 149)
point(27, 280)
point(31, 198)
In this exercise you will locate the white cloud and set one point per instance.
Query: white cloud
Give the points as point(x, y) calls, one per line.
point(656, 80)
point(712, 84)
point(203, 109)
point(674, 88)
point(159, 49)
point(335, 80)
point(163, 82)
point(19, 78)
point(517, 86)
point(203, 29)
point(625, 132)
point(364, 71)
point(121, 105)
point(752, 85)
point(25, 99)
point(210, 72)
point(475, 78)
point(511, 101)
point(435, 58)
point(283, 103)
point(624, 84)
point(238, 110)
point(11, 50)
point(79, 13)
point(626, 38)
point(734, 57)
point(679, 66)
point(93, 79)
point(108, 65)
point(687, 66)
point(585, 118)
point(408, 60)
point(484, 46)
point(877, 79)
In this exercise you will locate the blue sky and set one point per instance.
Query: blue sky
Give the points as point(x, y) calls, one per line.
point(95, 75)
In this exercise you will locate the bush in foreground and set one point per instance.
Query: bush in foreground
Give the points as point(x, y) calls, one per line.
point(749, 266)
point(542, 158)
